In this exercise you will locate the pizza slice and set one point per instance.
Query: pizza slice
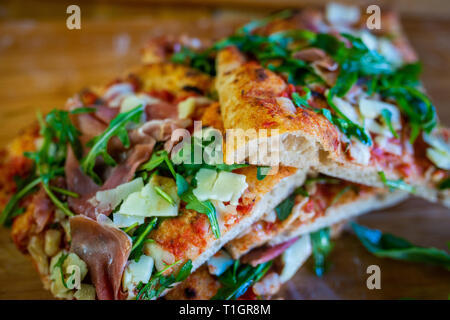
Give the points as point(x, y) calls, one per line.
point(257, 263)
point(318, 88)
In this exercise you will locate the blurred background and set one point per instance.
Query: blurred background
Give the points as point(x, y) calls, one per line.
point(42, 63)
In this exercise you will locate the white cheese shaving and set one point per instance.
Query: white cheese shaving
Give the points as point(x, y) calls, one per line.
point(220, 262)
point(339, 14)
point(359, 152)
point(294, 257)
point(223, 186)
point(137, 272)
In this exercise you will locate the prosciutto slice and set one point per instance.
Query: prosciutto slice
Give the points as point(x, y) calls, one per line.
point(161, 110)
point(80, 183)
point(105, 250)
point(43, 210)
point(265, 254)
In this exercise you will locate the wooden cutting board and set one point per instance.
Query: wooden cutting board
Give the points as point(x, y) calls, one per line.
point(42, 63)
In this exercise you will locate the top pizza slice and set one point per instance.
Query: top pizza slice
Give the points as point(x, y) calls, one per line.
point(320, 89)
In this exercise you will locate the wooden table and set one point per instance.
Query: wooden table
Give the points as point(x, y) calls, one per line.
point(42, 63)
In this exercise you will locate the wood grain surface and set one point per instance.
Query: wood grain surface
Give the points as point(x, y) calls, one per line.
point(42, 63)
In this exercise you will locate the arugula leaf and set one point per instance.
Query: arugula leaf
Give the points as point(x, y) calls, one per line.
point(182, 184)
point(322, 246)
point(396, 184)
point(387, 116)
point(445, 184)
point(284, 209)
point(57, 132)
point(164, 195)
point(139, 239)
point(385, 245)
point(204, 207)
point(261, 172)
point(156, 160)
point(347, 127)
point(99, 145)
point(237, 279)
point(302, 101)
point(59, 265)
point(159, 283)
point(11, 206)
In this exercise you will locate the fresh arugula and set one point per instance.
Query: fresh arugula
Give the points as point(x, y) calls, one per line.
point(204, 207)
point(302, 101)
point(396, 184)
point(159, 191)
point(182, 184)
point(345, 125)
point(322, 246)
point(59, 265)
point(356, 63)
point(158, 283)
point(387, 116)
point(99, 145)
point(157, 159)
point(12, 206)
point(237, 279)
point(445, 184)
point(139, 238)
point(262, 172)
point(284, 209)
point(385, 245)
point(58, 132)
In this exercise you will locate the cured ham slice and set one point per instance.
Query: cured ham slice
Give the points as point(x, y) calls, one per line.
point(105, 250)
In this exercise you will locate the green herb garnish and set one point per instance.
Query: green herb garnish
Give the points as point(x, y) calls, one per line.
point(322, 246)
point(204, 207)
point(99, 145)
point(284, 209)
point(396, 184)
point(238, 278)
point(262, 172)
point(139, 238)
point(387, 116)
point(159, 283)
point(445, 184)
point(385, 245)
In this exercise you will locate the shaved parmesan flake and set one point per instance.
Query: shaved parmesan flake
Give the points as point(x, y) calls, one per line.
point(220, 262)
point(161, 257)
point(390, 147)
point(222, 186)
point(359, 152)
point(440, 158)
point(124, 220)
point(137, 272)
point(346, 108)
point(148, 202)
point(113, 197)
point(372, 109)
point(439, 153)
point(132, 101)
point(294, 257)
